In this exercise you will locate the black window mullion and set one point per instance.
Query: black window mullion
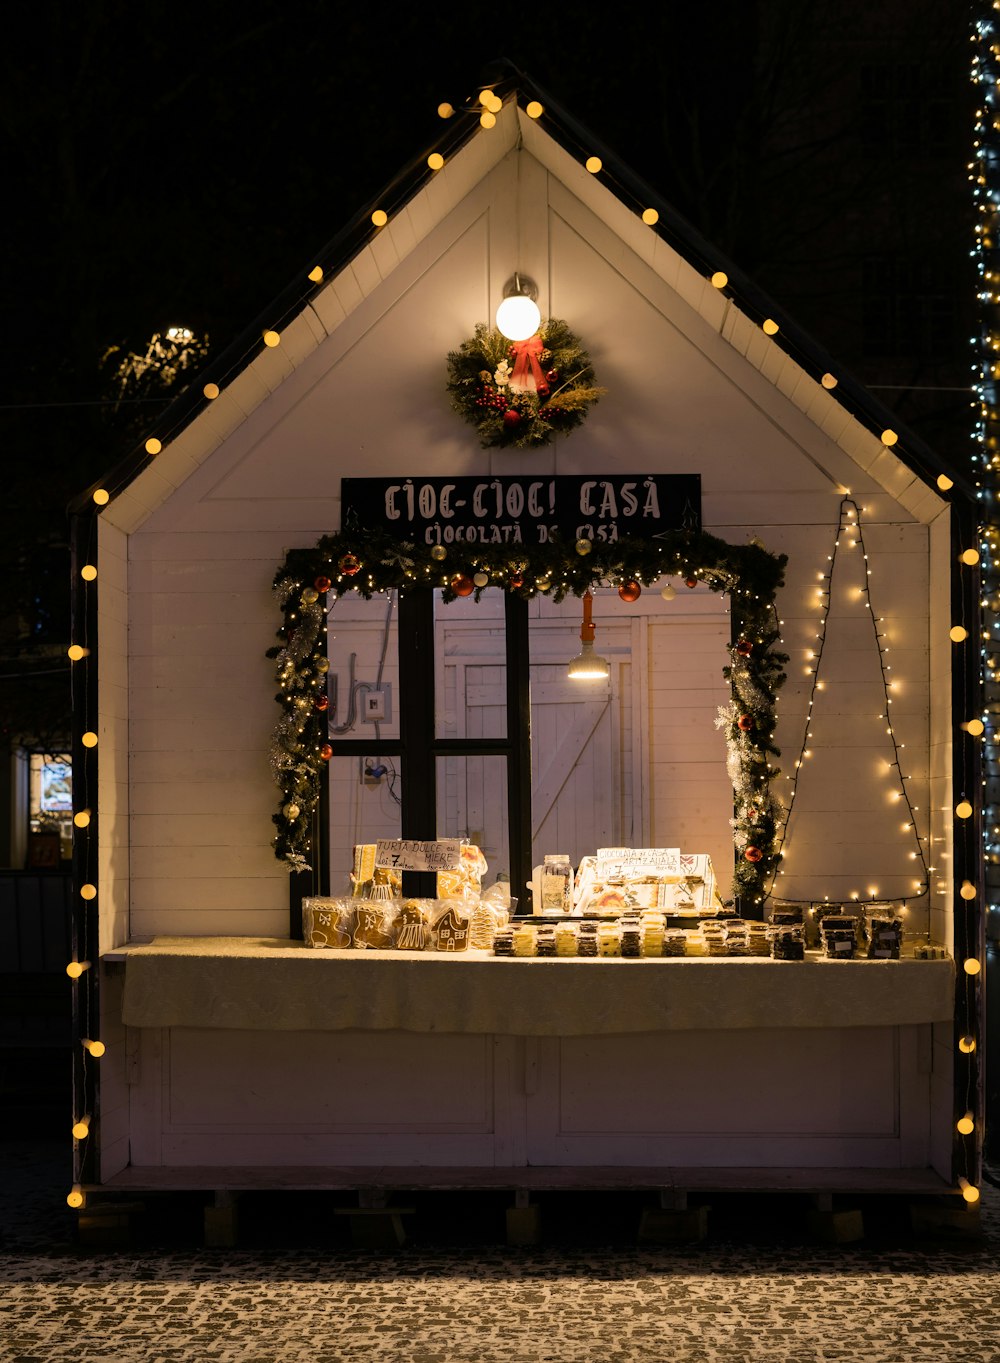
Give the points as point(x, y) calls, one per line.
point(519, 739)
point(417, 763)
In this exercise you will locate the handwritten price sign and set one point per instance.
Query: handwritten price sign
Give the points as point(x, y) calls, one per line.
point(614, 862)
point(403, 854)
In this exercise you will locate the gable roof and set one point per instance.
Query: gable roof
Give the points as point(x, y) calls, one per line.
point(361, 254)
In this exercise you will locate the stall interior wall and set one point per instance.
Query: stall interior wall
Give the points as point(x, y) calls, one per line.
point(635, 760)
point(681, 398)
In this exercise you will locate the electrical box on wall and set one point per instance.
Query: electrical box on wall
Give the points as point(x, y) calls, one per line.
point(376, 704)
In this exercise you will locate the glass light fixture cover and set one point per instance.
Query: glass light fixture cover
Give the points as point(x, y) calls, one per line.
point(588, 665)
point(518, 316)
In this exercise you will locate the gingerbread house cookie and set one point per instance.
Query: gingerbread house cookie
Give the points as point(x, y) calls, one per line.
point(451, 931)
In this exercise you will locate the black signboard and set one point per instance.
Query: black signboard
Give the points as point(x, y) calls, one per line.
point(523, 510)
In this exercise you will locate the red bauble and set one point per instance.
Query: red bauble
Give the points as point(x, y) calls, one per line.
point(753, 854)
point(543, 390)
point(326, 752)
point(321, 703)
point(322, 584)
point(516, 580)
point(462, 585)
point(745, 722)
point(690, 582)
point(744, 648)
point(630, 591)
point(751, 813)
point(511, 418)
point(553, 376)
point(349, 564)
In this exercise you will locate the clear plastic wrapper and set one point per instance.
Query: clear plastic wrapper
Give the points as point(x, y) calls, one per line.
point(884, 930)
point(451, 924)
point(787, 942)
point(328, 922)
point(413, 924)
point(374, 924)
point(839, 934)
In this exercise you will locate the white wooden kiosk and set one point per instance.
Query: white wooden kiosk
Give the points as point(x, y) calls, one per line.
point(234, 1056)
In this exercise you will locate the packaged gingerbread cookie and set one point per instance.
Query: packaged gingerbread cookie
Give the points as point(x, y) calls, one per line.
point(373, 923)
point(452, 925)
point(327, 922)
point(413, 925)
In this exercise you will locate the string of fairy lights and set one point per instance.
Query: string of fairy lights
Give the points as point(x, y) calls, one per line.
point(850, 537)
point(984, 175)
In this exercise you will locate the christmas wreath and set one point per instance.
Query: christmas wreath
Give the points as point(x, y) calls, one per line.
point(522, 393)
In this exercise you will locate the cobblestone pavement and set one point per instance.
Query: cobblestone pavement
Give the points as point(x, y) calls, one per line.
point(758, 1288)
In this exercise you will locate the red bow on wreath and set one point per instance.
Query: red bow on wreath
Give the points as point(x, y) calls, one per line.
point(526, 355)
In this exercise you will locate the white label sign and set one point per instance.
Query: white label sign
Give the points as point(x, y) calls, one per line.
point(629, 862)
point(405, 855)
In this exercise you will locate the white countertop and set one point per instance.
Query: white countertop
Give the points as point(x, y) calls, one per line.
point(277, 984)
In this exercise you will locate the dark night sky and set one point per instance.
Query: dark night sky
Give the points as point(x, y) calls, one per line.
point(177, 164)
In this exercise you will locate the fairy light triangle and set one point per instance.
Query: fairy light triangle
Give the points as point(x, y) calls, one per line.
point(880, 746)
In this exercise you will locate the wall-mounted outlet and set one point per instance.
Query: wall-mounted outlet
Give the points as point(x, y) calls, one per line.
point(373, 772)
point(376, 703)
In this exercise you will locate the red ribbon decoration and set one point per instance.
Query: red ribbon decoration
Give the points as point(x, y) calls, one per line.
point(526, 359)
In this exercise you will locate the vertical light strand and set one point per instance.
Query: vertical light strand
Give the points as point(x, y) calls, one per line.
point(984, 176)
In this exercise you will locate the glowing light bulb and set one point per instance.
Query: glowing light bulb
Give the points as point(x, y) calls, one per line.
point(88, 572)
point(534, 109)
point(153, 446)
point(89, 739)
point(969, 556)
point(271, 339)
point(380, 217)
point(81, 1129)
point(102, 496)
point(435, 160)
point(445, 110)
point(770, 326)
point(969, 1192)
point(74, 1198)
point(974, 727)
point(957, 633)
point(966, 1124)
point(76, 651)
point(967, 1044)
point(944, 482)
point(594, 164)
point(828, 381)
point(94, 1048)
point(963, 809)
point(972, 966)
point(211, 391)
point(720, 279)
point(889, 437)
point(487, 119)
point(88, 891)
point(315, 275)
